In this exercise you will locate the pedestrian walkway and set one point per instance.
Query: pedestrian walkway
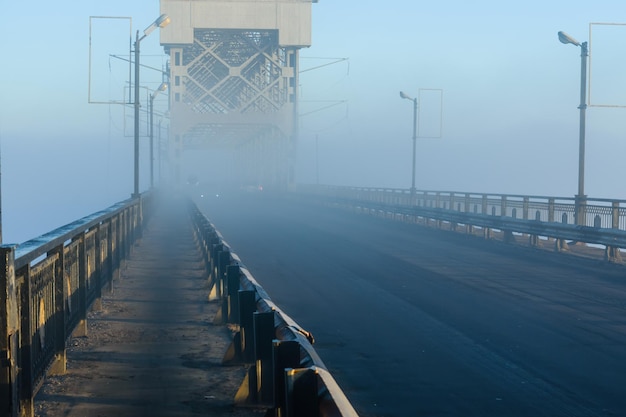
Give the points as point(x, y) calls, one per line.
point(152, 349)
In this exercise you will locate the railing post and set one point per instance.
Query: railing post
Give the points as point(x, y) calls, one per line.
point(26, 388)
point(9, 330)
point(503, 206)
point(116, 246)
point(615, 214)
point(551, 210)
point(612, 253)
point(526, 205)
point(109, 257)
point(97, 304)
point(467, 208)
point(81, 327)
point(484, 207)
point(128, 232)
point(580, 210)
point(59, 366)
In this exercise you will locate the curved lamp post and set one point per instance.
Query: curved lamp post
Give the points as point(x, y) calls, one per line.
point(414, 100)
point(580, 200)
point(161, 87)
point(161, 22)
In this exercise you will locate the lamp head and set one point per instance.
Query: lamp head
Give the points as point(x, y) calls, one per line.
point(405, 95)
point(161, 22)
point(162, 87)
point(565, 39)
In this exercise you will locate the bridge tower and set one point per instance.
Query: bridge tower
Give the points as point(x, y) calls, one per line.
point(234, 83)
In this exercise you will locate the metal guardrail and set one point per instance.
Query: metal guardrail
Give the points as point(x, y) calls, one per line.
point(47, 285)
point(287, 376)
point(554, 217)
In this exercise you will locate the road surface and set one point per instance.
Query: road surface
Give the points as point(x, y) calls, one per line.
point(419, 322)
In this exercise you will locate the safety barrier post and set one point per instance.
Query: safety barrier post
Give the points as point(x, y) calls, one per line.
point(215, 250)
point(302, 393)
point(218, 284)
point(286, 355)
point(242, 348)
point(233, 274)
point(247, 307)
point(263, 337)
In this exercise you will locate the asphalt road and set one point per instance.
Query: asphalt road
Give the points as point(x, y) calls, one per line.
point(417, 322)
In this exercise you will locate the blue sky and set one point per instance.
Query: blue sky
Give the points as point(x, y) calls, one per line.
point(511, 92)
point(510, 118)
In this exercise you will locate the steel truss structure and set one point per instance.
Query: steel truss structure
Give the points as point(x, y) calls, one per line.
point(233, 84)
point(236, 89)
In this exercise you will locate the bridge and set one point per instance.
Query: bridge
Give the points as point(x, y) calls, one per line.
point(222, 297)
point(413, 308)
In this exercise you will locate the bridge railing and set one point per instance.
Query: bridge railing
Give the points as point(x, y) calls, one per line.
point(47, 285)
point(287, 376)
point(604, 220)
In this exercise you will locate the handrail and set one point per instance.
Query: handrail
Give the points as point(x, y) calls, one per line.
point(603, 220)
point(47, 285)
point(34, 248)
point(285, 364)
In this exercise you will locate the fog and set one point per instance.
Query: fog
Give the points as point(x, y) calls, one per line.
point(509, 119)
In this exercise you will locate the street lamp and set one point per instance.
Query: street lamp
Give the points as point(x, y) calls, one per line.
point(580, 200)
point(161, 22)
point(414, 100)
point(161, 87)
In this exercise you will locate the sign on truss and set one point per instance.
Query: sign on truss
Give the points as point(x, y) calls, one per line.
point(430, 113)
point(607, 65)
point(109, 74)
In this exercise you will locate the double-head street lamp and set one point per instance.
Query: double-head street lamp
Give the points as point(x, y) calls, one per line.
point(161, 87)
point(414, 100)
point(580, 201)
point(161, 22)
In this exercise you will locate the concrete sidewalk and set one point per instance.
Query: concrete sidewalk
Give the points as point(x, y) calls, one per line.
point(152, 350)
